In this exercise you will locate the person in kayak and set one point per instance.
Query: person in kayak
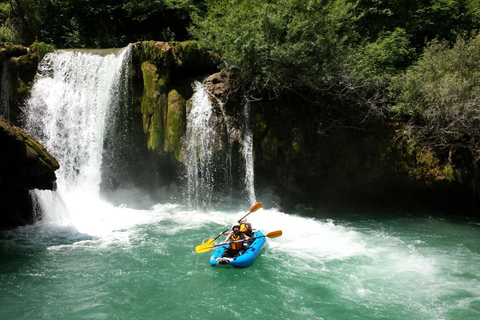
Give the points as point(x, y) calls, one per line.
point(246, 228)
point(235, 247)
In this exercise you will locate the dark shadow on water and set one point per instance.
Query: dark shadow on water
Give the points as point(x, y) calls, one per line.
point(353, 214)
point(38, 237)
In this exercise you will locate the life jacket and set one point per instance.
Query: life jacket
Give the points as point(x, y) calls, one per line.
point(236, 245)
point(245, 229)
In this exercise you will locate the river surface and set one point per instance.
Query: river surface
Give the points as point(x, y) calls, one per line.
point(116, 262)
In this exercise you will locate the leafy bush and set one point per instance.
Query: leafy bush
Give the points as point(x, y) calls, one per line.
point(277, 45)
point(439, 96)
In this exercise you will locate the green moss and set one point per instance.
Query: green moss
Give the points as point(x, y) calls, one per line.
point(155, 135)
point(259, 125)
point(176, 121)
point(41, 48)
point(270, 146)
point(159, 54)
point(449, 173)
point(152, 107)
point(25, 70)
point(40, 153)
point(410, 147)
point(452, 174)
point(187, 51)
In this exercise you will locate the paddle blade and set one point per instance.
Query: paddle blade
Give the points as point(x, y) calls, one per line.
point(274, 234)
point(204, 247)
point(256, 206)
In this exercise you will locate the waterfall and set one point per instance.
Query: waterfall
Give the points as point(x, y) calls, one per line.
point(248, 154)
point(199, 139)
point(228, 158)
point(72, 105)
point(4, 93)
point(208, 166)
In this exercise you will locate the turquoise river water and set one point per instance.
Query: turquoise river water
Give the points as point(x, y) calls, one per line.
point(115, 262)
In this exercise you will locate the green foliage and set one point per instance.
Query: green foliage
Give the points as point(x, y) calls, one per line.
point(387, 54)
point(440, 94)
point(41, 48)
point(21, 19)
point(372, 64)
point(276, 45)
point(96, 23)
point(422, 20)
point(312, 43)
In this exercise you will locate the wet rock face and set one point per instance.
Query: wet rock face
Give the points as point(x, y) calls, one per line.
point(24, 165)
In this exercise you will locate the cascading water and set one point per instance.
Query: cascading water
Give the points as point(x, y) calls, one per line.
point(67, 112)
point(209, 169)
point(248, 154)
point(199, 139)
point(228, 160)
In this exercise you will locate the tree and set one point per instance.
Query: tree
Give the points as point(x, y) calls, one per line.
point(21, 20)
point(277, 45)
point(96, 23)
point(439, 96)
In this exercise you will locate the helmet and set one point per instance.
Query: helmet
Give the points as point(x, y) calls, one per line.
point(236, 225)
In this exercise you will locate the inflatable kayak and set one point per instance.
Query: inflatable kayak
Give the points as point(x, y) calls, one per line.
point(246, 259)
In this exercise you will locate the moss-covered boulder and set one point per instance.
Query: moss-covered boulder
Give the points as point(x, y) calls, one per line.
point(176, 122)
point(8, 50)
point(162, 76)
point(165, 71)
point(18, 67)
point(177, 59)
point(153, 106)
point(24, 165)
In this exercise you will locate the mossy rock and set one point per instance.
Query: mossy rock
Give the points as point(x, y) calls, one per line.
point(176, 122)
point(41, 49)
point(192, 57)
point(296, 148)
point(153, 106)
point(159, 54)
point(24, 162)
point(175, 59)
point(270, 145)
point(8, 50)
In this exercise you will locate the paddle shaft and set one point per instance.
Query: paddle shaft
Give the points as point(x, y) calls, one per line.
point(265, 236)
point(221, 233)
point(254, 208)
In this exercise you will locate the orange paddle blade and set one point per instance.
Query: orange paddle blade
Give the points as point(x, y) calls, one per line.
point(256, 206)
point(274, 234)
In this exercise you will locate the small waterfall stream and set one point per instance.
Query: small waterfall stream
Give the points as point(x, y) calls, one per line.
point(199, 140)
point(209, 171)
point(248, 155)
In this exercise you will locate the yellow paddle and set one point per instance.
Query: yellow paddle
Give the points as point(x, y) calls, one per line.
point(204, 248)
point(209, 242)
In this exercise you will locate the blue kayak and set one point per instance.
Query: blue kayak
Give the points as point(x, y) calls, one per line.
point(246, 259)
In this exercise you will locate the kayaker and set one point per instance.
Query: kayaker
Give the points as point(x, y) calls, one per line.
point(235, 247)
point(246, 228)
